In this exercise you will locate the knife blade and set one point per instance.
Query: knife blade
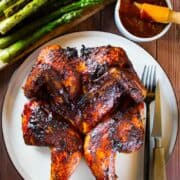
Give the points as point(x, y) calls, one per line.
point(159, 166)
point(157, 124)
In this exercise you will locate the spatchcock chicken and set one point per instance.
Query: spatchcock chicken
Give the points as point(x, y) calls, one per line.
point(88, 104)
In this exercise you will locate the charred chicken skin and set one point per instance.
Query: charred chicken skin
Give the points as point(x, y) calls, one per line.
point(99, 96)
point(89, 87)
point(41, 127)
point(100, 59)
point(123, 132)
point(53, 74)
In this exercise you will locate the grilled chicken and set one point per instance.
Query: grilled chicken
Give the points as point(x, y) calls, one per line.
point(41, 127)
point(106, 74)
point(123, 132)
point(102, 98)
point(97, 94)
point(53, 75)
point(99, 152)
point(99, 59)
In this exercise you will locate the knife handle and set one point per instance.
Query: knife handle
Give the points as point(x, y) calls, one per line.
point(159, 167)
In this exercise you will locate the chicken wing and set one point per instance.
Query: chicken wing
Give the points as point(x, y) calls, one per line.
point(98, 60)
point(103, 98)
point(122, 133)
point(100, 100)
point(42, 127)
point(52, 71)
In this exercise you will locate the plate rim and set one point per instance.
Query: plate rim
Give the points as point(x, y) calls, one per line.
point(89, 33)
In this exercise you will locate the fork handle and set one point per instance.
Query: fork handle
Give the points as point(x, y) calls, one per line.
point(159, 168)
point(147, 144)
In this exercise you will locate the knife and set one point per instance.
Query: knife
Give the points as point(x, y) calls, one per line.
point(159, 169)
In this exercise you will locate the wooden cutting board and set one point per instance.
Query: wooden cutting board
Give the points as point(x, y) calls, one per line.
point(60, 30)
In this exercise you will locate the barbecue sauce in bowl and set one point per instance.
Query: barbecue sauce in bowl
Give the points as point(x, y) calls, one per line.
point(130, 18)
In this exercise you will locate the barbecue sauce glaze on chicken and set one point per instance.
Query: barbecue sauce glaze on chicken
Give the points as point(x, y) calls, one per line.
point(95, 98)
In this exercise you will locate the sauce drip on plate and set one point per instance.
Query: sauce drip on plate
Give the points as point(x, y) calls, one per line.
point(130, 17)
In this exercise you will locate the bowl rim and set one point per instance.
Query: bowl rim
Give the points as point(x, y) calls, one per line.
point(133, 37)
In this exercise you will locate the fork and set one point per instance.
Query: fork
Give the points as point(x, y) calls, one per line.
point(149, 80)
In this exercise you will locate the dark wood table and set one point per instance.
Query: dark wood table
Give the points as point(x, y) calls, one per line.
point(166, 51)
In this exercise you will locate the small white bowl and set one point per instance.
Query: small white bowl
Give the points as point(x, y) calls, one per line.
point(132, 37)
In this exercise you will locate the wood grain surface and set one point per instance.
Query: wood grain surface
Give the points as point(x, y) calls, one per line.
point(166, 51)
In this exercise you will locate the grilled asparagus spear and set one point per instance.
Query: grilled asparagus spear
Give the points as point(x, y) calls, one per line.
point(15, 7)
point(8, 53)
point(19, 34)
point(6, 3)
point(30, 8)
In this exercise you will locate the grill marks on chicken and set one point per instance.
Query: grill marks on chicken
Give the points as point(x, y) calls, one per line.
point(122, 133)
point(97, 94)
point(42, 127)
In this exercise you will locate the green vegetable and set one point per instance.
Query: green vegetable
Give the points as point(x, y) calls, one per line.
point(8, 39)
point(15, 7)
point(81, 4)
point(8, 53)
point(6, 3)
point(30, 8)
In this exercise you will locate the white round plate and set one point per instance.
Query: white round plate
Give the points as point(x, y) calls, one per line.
point(33, 163)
